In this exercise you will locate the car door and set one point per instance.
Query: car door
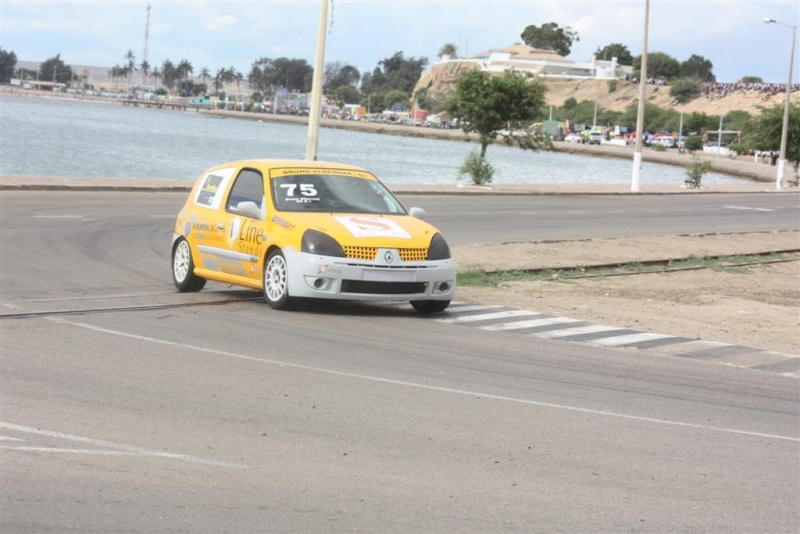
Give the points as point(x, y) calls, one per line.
point(240, 219)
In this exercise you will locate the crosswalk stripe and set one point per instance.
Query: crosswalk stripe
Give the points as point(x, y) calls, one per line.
point(575, 331)
point(627, 339)
point(486, 316)
point(529, 323)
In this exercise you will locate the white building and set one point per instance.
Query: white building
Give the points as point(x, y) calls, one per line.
point(547, 63)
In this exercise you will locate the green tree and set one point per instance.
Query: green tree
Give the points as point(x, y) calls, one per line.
point(8, 61)
point(346, 94)
point(737, 120)
point(55, 69)
point(169, 74)
point(550, 37)
point(617, 50)
point(659, 66)
point(752, 79)
point(448, 49)
point(395, 72)
point(699, 68)
point(490, 105)
point(684, 89)
point(396, 96)
point(338, 74)
point(764, 132)
point(693, 143)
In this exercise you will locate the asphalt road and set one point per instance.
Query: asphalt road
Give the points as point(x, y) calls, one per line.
point(211, 412)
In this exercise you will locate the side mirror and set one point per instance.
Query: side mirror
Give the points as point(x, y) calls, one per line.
point(419, 213)
point(250, 208)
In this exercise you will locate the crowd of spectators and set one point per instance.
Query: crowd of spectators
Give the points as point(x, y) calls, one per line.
point(719, 90)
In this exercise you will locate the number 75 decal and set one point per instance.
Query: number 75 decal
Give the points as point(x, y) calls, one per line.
point(307, 190)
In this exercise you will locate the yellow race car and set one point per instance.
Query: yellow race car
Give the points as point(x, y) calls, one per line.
point(306, 229)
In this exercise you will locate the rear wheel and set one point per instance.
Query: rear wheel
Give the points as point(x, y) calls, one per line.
point(430, 306)
point(276, 281)
point(183, 268)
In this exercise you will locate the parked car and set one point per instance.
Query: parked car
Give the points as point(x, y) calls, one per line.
point(595, 138)
point(303, 229)
point(573, 138)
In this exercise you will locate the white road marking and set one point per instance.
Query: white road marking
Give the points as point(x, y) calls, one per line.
point(471, 308)
point(628, 338)
point(110, 444)
point(8, 438)
point(746, 208)
point(162, 216)
point(591, 329)
point(530, 323)
point(58, 217)
point(425, 387)
point(484, 316)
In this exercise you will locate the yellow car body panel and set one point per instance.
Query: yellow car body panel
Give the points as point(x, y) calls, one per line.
point(238, 213)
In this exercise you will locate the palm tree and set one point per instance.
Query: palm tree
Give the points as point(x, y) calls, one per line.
point(205, 74)
point(156, 75)
point(183, 71)
point(130, 66)
point(168, 74)
point(145, 68)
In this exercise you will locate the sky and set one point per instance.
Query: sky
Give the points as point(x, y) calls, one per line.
point(216, 34)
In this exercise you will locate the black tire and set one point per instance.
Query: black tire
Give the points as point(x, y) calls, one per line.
point(430, 306)
point(276, 282)
point(183, 268)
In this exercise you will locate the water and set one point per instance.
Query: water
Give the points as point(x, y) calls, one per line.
point(59, 137)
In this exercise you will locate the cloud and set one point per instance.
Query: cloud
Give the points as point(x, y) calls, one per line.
point(225, 22)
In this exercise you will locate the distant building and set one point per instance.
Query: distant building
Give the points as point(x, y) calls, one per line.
point(546, 63)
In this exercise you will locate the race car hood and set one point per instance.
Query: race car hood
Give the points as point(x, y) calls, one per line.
point(387, 231)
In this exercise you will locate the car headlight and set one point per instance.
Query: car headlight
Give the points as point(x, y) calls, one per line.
point(438, 249)
point(315, 242)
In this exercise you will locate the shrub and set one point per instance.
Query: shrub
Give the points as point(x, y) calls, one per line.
point(477, 169)
point(612, 86)
point(658, 148)
point(684, 90)
point(693, 142)
point(697, 168)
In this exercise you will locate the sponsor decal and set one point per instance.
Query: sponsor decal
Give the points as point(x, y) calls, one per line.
point(283, 223)
point(246, 236)
point(362, 226)
point(209, 194)
point(319, 171)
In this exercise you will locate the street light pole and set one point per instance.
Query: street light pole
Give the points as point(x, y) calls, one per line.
point(785, 129)
point(637, 151)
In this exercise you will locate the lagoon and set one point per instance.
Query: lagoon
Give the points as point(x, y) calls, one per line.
point(88, 139)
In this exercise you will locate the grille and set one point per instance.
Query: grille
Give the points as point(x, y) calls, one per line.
point(369, 253)
point(413, 254)
point(361, 253)
point(382, 288)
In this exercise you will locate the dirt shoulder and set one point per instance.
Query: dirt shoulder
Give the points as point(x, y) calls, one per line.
point(757, 308)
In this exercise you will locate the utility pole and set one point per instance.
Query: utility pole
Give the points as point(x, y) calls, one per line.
point(146, 38)
point(316, 88)
point(637, 151)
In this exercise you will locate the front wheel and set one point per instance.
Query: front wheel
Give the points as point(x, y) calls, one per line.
point(183, 269)
point(276, 282)
point(430, 306)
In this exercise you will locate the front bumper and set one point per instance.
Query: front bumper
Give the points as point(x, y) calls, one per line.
point(327, 277)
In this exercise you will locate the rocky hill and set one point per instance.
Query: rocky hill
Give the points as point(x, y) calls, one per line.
point(441, 79)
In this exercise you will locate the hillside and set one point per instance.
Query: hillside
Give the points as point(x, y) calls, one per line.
point(443, 77)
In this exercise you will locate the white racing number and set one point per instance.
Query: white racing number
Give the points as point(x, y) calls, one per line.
point(307, 190)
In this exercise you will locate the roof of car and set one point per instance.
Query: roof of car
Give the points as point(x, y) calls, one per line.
point(276, 163)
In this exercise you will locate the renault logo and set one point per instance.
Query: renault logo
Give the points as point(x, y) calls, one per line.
point(388, 256)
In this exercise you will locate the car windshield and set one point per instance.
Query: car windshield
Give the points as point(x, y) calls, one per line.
point(326, 193)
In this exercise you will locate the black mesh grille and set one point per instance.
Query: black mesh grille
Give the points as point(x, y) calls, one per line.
point(383, 288)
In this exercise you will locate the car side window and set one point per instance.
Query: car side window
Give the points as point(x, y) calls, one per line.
point(248, 187)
